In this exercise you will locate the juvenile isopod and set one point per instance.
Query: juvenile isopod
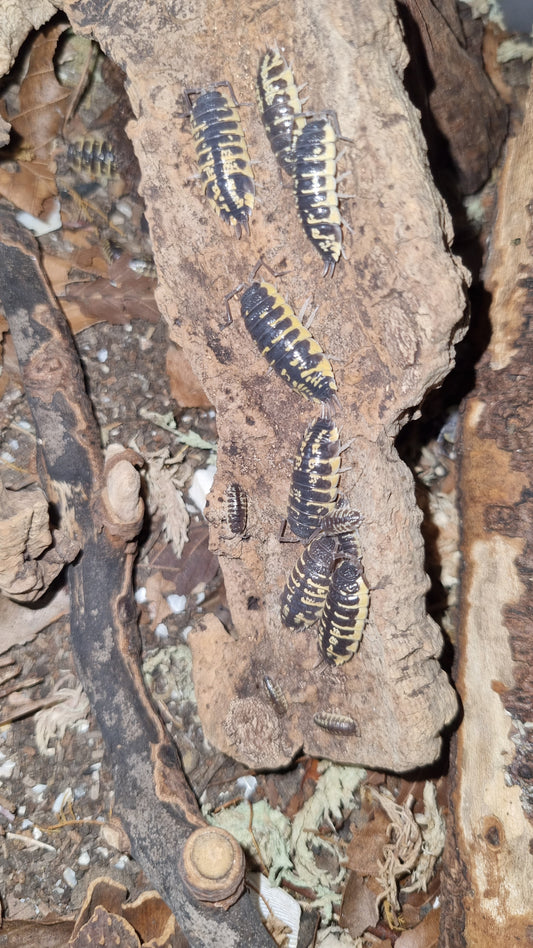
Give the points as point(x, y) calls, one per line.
point(335, 722)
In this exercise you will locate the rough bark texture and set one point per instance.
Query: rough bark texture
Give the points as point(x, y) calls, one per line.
point(389, 319)
point(463, 117)
point(153, 799)
point(487, 885)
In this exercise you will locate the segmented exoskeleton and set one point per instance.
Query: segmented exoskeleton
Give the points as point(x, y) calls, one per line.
point(335, 722)
point(315, 187)
point(276, 695)
point(93, 157)
point(305, 591)
point(315, 479)
point(225, 167)
point(237, 509)
point(345, 613)
point(285, 342)
point(280, 106)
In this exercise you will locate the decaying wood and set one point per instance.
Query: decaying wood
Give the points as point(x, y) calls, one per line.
point(489, 864)
point(389, 318)
point(463, 117)
point(147, 916)
point(28, 561)
point(154, 801)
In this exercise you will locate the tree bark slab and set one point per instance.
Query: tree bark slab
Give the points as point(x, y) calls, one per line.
point(489, 861)
point(389, 319)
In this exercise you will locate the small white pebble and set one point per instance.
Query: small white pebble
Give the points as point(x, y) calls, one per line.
point(140, 594)
point(24, 424)
point(61, 800)
point(202, 483)
point(200, 597)
point(6, 769)
point(14, 444)
point(39, 789)
point(186, 418)
point(247, 786)
point(211, 413)
point(185, 632)
point(161, 631)
point(70, 877)
point(7, 457)
point(84, 858)
point(36, 832)
point(40, 227)
point(177, 603)
point(101, 355)
point(121, 862)
point(124, 208)
point(103, 852)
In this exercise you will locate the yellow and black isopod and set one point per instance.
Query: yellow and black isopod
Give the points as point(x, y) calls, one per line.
point(315, 187)
point(315, 479)
point(345, 613)
point(285, 342)
point(92, 157)
point(280, 106)
point(222, 154)
point(305, 591)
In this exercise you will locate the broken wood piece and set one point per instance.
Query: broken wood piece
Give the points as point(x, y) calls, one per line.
point(463, 117)
point(213, 866)
point(28, 561)
point(488, 863)
point(153, 798)
point(390, 317)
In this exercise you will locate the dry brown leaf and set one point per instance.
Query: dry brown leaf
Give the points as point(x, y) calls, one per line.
point(184, 386)
point(425, 935)
point(366, 846)
point(20, 624)
point(358, 910)
point(157, 588)
point(102, 300)
point(42, 108)
point(197, 563)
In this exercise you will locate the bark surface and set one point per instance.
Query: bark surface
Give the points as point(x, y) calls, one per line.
point(489, 860)
point(153, 799)
point(388, 318)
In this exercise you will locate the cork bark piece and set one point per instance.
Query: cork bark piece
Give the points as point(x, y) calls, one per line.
point(489, 860)
point(388, 319)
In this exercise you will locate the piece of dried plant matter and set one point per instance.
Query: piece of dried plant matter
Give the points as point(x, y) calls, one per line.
point(51, 723)
point(289, 849)
point(30, 559)
point(146, 921)
point(401, 854)
point(165, 494)
point(43, 102)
